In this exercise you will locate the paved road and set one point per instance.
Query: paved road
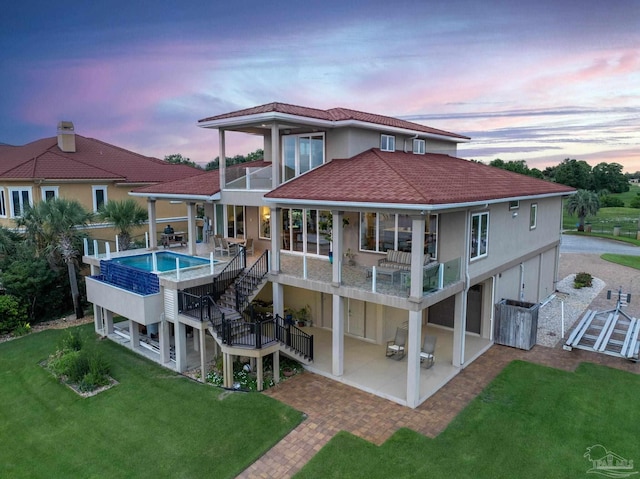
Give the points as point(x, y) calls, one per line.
point(584, 244)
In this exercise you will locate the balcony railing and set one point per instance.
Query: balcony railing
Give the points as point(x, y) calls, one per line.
point(253, 179)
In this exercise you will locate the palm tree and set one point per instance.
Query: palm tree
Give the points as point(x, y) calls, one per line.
point(584, 203)
point(52, 228)
point(125, 216)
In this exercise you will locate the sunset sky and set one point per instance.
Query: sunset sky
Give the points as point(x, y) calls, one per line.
point(539, 81)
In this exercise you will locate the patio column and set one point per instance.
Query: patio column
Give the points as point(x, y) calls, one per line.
point(153, 226)
point(277, 292)
point(337, 239)
point(165, 342)
point(417, 256)
point(98, 320)
point(203, 355)
point(459, 327)
point(134, 335)
point(276, 367)
point(414, 343)
point(108, 321)
point(180, 346)
point(222, 159)
point(191, 227)
point(275, 156)
point(338, 335)
point(276, 239)
point(260, 373)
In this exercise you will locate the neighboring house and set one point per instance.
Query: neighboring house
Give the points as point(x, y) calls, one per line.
point(438, 241)
point(88, 170)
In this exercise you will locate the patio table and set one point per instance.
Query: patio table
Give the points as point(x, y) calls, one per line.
point(390, 273)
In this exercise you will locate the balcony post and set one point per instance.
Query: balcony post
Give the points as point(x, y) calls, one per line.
point(417, 256)
point(153, 234)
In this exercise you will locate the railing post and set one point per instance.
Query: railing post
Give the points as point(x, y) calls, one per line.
point(258, 330)
point(311, 348)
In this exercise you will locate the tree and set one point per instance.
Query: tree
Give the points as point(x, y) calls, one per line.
point(178, 159)
point(519, 166)
point(573, 173)
point(609, 176)
point(235, 160)
point(584, 203)
point(125, 216)
point(51, 227)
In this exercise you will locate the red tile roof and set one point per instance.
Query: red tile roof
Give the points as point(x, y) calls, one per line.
point(92, 160)
point(332, 115)
point(376, 176)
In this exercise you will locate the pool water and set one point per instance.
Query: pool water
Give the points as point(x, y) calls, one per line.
point(165, 260)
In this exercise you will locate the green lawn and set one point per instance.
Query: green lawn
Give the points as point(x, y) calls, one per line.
point(154, 424)
point(623, 259)
point(530, 422)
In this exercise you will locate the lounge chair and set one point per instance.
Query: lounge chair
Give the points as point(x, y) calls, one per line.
point(396, 348)
point(427, 354)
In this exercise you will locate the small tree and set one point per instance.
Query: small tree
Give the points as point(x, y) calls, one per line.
point(125, 216)
point(584, 203)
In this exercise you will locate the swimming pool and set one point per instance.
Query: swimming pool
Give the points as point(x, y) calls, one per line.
point(166, 261)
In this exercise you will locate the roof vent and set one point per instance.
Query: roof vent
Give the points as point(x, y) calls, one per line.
point(66, 137)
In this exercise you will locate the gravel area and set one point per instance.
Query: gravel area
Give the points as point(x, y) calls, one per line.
point(572, 301)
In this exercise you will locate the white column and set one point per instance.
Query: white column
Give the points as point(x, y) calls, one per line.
point(98, 320)
point(337, 235)
point(180, 346)
point(417, 256)
point(223, 159)
point(338, 336)
point(108, 320)
point(276, 239)
point(276, 367)
point(276, 161)
point(191, 227)
point(165, 341)
point(260, 373)
point(134, 334)
point(202, 336)
point(278, 298)
point(459, 327)
point(414, 344)
point(153, 226)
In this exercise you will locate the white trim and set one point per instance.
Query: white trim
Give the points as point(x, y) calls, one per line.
point(533, 214)
point(422, 146)
point(21, 189)
point(357, 206)
point(3, 204)
point(44, 189)
point(94, 190)
point(479, 234)
point(256, 120)
point(177, 196)
point(386, 145)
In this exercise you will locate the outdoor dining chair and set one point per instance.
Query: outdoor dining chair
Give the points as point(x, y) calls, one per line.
point(396, 347)
point(428, 351)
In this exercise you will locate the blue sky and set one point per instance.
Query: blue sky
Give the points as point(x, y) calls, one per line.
point(534, 80)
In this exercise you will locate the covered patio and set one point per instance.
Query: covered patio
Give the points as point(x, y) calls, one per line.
point(367, 368)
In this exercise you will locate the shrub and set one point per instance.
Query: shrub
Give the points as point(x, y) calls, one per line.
point(72, 341)
point(635, 202)
point(611, 202)
point(12, 314)
point(582, 280)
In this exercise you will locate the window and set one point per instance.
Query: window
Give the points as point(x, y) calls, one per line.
point(49, 192)
point(479, 235)
point(3, 207)
point(99, 197)
point(381, 232)
point(387, 143)
point(265, 222)
point(301, 153)
point(20, 198)
point(235, 221)
point(514, 205)
point(306, 231)
point(533, 216)
point(418, 147)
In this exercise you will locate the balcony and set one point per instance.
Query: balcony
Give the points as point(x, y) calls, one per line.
point(367, 279)
point(251, 178)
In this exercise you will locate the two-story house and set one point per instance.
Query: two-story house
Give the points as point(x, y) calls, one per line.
point(85, 169)
point(375, 225)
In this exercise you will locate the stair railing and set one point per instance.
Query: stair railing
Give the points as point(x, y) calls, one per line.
point(295, 338)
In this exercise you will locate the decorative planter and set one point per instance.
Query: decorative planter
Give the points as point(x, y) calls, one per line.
point(516, 324)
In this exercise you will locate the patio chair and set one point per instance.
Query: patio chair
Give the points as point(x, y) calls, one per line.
point(396, 348)
point(228, 247)
point(217, 245)
point(428, 351)
point(248, 246)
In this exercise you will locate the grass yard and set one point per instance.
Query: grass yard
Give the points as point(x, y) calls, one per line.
point(530, 422)
point(623, 259)
point(154, 424)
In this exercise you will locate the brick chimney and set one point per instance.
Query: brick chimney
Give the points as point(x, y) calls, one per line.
point(66, 137)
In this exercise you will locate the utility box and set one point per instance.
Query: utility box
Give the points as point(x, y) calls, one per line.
point(516, 324)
